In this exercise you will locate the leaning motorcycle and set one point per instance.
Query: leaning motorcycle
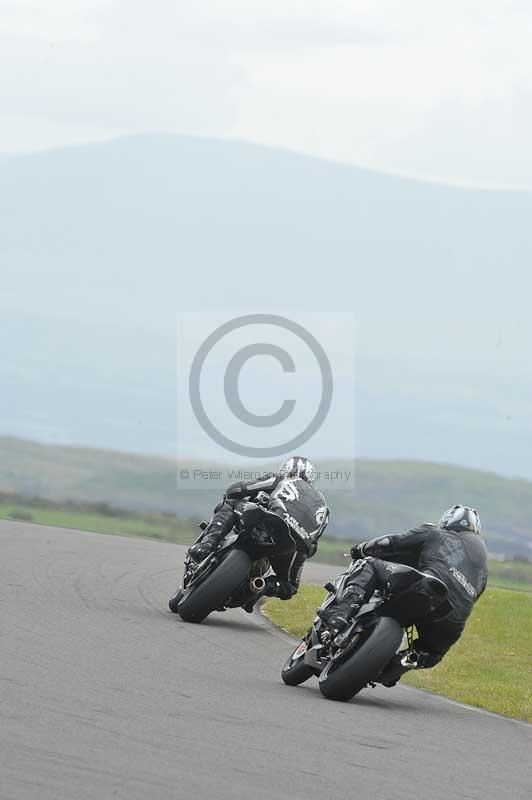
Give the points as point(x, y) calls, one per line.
point(234, 575)
point(359, 656)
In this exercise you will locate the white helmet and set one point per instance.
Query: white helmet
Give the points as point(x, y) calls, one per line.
point(297, 467)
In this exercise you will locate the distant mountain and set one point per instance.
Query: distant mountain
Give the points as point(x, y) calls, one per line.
point(102, 245)
point(390, 496)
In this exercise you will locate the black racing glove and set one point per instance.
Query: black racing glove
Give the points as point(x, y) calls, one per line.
point(357, 551)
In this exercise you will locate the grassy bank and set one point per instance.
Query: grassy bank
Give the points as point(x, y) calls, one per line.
point(490, 667)
point(389, 495)
point(101, 518)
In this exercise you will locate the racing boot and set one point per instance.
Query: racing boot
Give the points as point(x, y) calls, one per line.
point(338, 616)
point(220, 525)
point(208, 544)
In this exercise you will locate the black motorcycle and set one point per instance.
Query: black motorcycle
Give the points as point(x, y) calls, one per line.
point(360, 656)
point(234, 575)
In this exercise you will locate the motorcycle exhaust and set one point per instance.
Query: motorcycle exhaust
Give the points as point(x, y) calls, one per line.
point(257, 585)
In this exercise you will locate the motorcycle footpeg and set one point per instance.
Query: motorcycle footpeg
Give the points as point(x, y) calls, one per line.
point(330, 587)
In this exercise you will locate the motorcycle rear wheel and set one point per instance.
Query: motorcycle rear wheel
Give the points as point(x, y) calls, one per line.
point(210, 594)
point(343, 679)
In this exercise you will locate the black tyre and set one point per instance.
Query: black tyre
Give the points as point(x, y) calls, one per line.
point(211, 593)
point(175, 600)
point(295, 671)
point(342, 679)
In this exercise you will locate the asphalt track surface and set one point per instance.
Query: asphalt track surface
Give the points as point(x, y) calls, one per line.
point(105, 694)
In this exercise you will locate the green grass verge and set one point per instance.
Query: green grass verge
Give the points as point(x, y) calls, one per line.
point(101, 518)
point(490, 667)
point(389, 496)
point(164, 527)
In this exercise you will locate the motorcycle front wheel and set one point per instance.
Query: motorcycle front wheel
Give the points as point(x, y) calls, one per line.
point(174, 601)
point(295, 671)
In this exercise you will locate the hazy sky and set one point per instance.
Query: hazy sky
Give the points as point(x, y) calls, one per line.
point(429, 89)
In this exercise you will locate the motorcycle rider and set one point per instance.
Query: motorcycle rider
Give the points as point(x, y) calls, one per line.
point(453, 551)
point(289, 494)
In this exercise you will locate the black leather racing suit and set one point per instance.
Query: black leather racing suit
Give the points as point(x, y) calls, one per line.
point(458, 559)
point(298, 502)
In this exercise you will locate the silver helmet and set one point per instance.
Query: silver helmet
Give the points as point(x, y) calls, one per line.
point(461, 519)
